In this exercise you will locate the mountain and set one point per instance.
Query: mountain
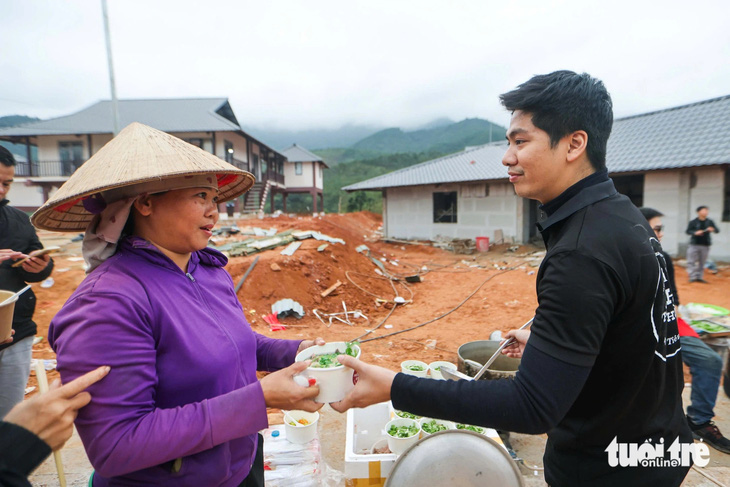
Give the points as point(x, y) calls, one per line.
point(314, 138)
point(445, 139)
point(13, 120)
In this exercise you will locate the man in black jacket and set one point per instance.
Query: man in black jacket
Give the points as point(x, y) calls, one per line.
point(699, 244)
point(600, 372)
point(17, 239)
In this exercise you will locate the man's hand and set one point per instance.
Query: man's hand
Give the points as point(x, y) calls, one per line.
point(34, 265)
point(310, 343)
point(8, 340)
point(699, 232)
point(710, 229)
point(6, 254)
point(51, 416)
point(280, 390)
point(373, 385)
point(516, 348)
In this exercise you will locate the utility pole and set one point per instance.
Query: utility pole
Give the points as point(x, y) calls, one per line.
point(115, 104)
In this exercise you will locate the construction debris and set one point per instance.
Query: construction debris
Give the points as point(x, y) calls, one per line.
point(287, 307)
point(330, 289)
point(322, 247)
point(291, 248)
point(275, 267)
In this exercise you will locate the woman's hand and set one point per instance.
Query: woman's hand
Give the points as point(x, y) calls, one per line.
point(373, 385)
point(516, 348)
point(51, 416)
point(6, 254)
point(280, 390)
point(310, 343)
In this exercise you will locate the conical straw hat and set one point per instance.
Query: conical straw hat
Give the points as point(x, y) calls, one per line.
point(139, 154)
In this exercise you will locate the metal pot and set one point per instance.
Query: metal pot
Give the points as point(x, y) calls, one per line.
point(480, 351)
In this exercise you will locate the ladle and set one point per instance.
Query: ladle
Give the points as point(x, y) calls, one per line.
point(451, 374)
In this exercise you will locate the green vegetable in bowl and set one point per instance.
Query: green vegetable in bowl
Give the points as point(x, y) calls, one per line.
point(403, 431)
point(468, 427)
point(433, 427)
point(416, 368)
point(329, 360)
point(438, 369)
point(407, 415)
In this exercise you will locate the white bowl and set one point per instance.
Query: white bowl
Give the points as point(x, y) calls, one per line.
point(399, 445)
point(404, 367)
point(482, 428)
point(334, 382)
point(436, 374)
point(448, 424)
point(300, 433)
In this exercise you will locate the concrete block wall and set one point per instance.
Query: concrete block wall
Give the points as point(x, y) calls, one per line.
point(408, 213)
point(677, 193)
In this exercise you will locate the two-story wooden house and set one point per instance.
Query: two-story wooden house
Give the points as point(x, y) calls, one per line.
point(303, 173)
point(64, 143)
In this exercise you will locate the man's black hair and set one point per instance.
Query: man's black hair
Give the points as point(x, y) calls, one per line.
point(6, 157)
point(703, 207)
point(563, 102)
point(650, 213)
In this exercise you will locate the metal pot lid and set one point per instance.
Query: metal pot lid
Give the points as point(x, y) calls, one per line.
point(456, 458)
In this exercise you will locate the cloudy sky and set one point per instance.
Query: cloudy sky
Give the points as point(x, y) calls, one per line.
point(321, 64)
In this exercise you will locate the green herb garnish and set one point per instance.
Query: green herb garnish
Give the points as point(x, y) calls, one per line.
point(433, 427)
point(468, 427)
point(403, 431)
point(416, 368)
point(329, 360)
point(407, 415)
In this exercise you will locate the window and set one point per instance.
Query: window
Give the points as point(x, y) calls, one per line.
point(72, 156)
point(321, 172)
point(298, 168)
point(205, 144)
point(726, 199)
point(631, 186)
point(228, 152)
point(475, 191)
point(444, 207)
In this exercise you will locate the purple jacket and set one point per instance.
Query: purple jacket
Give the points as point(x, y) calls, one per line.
point(183, 369)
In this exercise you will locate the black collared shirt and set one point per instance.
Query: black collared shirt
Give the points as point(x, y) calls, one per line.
point(602, 361)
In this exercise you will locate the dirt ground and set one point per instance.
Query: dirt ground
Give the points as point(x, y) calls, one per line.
point(499, 285)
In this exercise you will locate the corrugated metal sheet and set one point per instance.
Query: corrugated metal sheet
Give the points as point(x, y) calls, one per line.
point(168, 115)
point(476, 164)
point(687, 136)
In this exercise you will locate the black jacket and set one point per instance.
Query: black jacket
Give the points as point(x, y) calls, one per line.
point(698, 224)
point(602, 360)
point(20, 453)
point(17, 233)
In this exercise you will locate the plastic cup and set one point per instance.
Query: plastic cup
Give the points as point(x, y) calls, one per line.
point(408, 367)
point(300, 433)
point(399, 445)
point(436, 374)
point(448, 424)
point(334, 382)
point(6, 315)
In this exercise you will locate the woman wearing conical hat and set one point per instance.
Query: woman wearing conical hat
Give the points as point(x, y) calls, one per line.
point(182, 405)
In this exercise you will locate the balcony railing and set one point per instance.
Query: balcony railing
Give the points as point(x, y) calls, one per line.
point(66, 168)
point(47, 168)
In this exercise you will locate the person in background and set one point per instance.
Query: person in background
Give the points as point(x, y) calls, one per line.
point(600, 365)
point(17, 239)
point(699, 244)
point(43, 423)
point(182, 405)
point(704, 363)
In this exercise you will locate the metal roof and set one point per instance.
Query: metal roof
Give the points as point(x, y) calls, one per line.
point(691, 135)
point(475, 164)
point(297, 153)
point(168, 115)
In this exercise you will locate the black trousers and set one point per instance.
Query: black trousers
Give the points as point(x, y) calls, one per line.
point(256, 475)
